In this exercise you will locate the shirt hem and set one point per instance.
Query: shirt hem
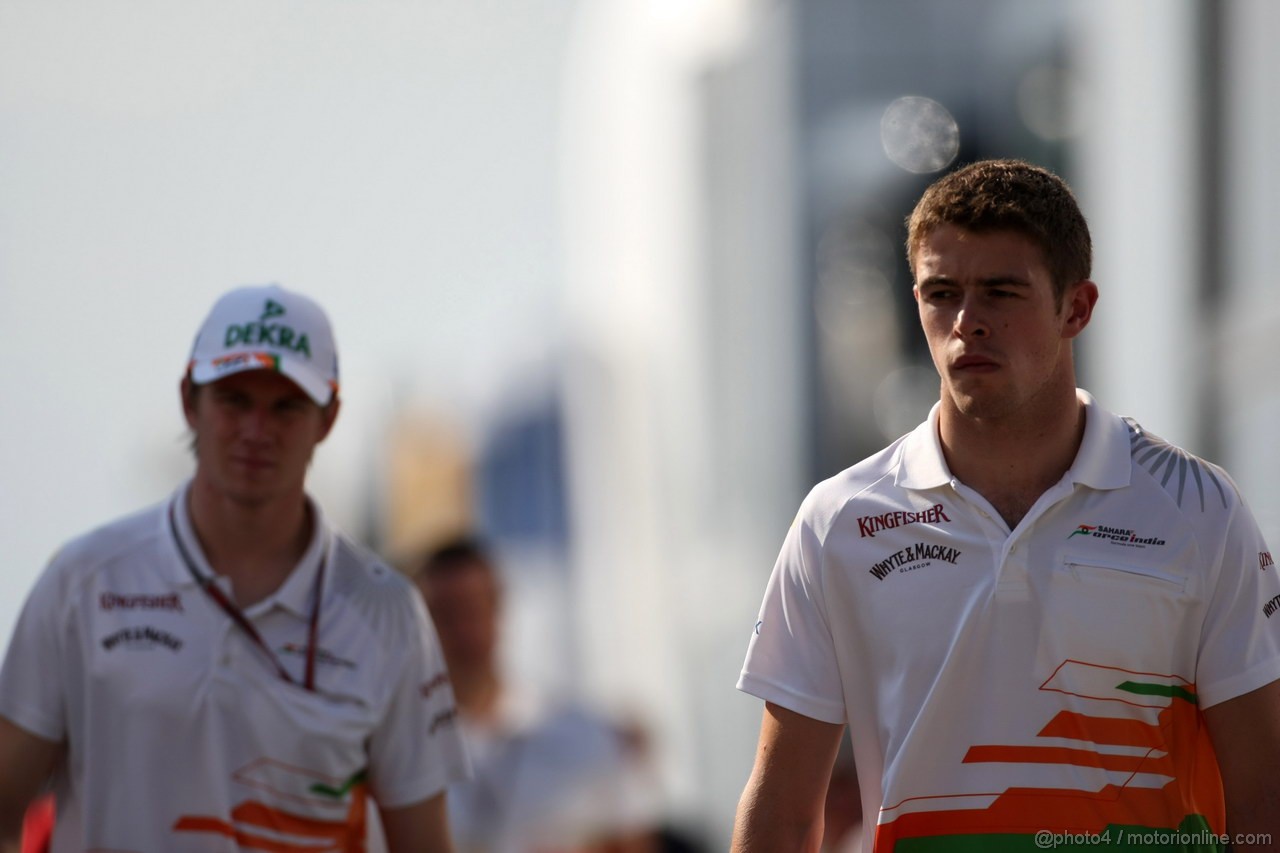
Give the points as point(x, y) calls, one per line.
point(809, 706)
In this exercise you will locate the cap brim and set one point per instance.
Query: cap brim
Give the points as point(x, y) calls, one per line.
point(203, 372)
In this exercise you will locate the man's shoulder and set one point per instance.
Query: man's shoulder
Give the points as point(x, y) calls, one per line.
point(368, 583)
point(1199, 488)
point(137, 532)
point(873, 477)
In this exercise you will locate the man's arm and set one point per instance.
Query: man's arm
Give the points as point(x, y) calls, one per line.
point(781, 808)
point(26, 762)
point(420, 828)
point(1246, 736)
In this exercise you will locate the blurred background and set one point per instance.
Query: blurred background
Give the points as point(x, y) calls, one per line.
point(614, 281)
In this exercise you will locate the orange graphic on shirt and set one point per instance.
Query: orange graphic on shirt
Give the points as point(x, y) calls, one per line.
point(255, 825)
point(1176, 746)
point(249, 818)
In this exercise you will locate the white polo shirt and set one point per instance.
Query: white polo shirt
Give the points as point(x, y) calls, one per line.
point(182, 734)
point(1000, 683)
point(547, 776)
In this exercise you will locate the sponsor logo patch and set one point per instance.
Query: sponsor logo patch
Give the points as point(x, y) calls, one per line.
point(121, 601)
point(444, 718)
point(1271, 607)
point(870, 525)
point(1264, 560)
point(914, 557)
point(1116, 535)
point(322, 656)
point(141, 637)
point(438, 681)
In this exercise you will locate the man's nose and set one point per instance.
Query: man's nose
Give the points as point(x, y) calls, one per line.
point(255, 423)
point(970, 322)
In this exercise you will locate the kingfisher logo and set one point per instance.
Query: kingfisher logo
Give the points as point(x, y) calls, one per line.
point(870, 525)
point(1264, 560)
point(117, 601)
point(1116, 535)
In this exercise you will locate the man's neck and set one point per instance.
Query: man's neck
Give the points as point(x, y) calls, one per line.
point(1013, 461)
point(255, 545)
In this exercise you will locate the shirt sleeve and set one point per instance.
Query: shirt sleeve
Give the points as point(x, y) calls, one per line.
point(791, 659)
point(416, 752)
point(1240, 639)
point(35, 668)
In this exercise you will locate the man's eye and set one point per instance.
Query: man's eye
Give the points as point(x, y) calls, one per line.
point(235, 401)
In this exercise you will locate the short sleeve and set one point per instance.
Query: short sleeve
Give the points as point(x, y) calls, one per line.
point(1240, 639)
point(36, 665)
point(416, 751)
point(791, 659)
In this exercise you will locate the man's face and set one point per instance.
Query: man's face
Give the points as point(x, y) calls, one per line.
point(465, 607)
point(998, 336)
point(255, 432)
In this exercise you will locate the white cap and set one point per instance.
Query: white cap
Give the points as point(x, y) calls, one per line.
point(266, 326)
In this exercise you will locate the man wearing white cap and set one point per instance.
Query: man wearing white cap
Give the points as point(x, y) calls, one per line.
point(226, 671)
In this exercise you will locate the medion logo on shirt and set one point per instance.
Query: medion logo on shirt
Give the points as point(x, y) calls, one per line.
point(141, 637)
point(914, 557)
point(118, 601)
point(322, 656)
point(1116, 535)
point(870, 525)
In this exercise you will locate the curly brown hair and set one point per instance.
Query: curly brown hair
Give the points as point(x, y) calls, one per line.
point(1009, 195)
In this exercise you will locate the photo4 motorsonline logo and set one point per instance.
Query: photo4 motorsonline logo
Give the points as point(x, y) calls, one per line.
point(1116, 535)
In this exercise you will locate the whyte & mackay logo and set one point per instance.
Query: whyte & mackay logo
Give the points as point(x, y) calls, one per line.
point(1271, 607)
point(870, 525)
point(141, 637)
point(914, 557)
point(1116, 535)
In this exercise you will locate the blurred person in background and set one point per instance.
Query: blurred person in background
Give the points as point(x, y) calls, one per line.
point(549, 774)
point(225, 671)
point(1037, 620)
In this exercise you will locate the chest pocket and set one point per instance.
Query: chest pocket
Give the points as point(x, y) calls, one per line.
point(1103, 610)
point(1089, 569)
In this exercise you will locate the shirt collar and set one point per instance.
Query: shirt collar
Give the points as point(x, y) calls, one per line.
point(1104, 460)
point(293, 595)
point(1101, 463)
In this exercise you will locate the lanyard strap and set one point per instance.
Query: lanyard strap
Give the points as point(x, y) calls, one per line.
point(229, 607)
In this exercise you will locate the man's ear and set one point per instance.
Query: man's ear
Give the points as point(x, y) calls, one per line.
point(187, 389)
point(1078, 307)
point(330, 415)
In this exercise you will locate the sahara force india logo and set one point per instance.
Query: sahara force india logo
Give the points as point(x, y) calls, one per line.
point(1116, 535)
